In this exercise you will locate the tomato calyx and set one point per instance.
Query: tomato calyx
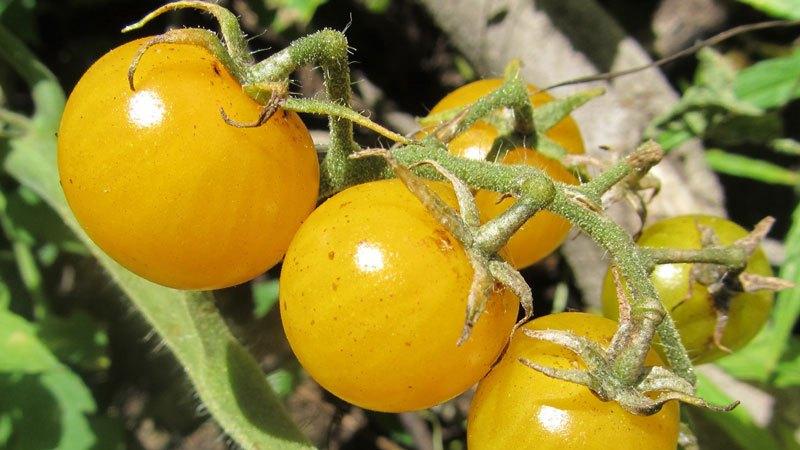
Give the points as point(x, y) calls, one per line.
point(277, 97)
point(606, 370)
point(656, 386)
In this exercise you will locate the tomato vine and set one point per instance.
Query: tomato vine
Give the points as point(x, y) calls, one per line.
point(619, 373)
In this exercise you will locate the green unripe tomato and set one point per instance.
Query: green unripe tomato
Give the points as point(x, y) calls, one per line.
point(694, 315)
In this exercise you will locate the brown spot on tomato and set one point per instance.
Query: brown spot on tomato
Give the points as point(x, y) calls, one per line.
point(443, 240)
point(216, 69)
point(331, 255)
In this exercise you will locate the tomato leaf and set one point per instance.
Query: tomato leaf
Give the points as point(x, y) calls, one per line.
point(77, 340)
point(709, 103)
point(787, 9)
point(755, 169)
point(265, 296)
point(738, 424)
point(227, 378)
point(42, 403)
point(289, 13)
point(787, 372)
point(771, 83)
point(30, 402)
point(21, 351)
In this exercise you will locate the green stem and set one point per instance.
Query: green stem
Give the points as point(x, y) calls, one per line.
point(637, 164)
point(235, 41)
point(311, 106)
point(512, 93)
point(647, 313)
point(328, 49)
point(731, 257)
point(495, 233)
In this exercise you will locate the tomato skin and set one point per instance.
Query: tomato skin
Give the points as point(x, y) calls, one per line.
point(545, 231)
point(695, 318)
point(165, 187)
point(516, 407)
point(373, 294)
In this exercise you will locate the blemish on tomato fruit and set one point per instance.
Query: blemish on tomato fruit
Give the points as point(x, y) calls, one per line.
point(215, 66)
point(331, 255)
point(443, 240)
point(334, 286)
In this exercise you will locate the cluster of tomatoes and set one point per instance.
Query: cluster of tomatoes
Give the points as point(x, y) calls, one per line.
point(373, 288)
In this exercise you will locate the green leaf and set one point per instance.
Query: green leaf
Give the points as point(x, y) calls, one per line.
point(265, 295)
point(755, 169)
point(19, 15)
point(739, 130)
point(47, 411)
point(21, 351)
point(6, 428)
point(738, 424)
point(551, 113)
point(227, 378)
point(714, 72)
point(758, 360)
point(293, 12)
point(40, 222)
point(705, 106)
point(377, 6)
point(770, 83)
point(282, 381)
point(786, 145)
point(5, 295)
point(786, 9)
point(77, 340)
point(787, 372)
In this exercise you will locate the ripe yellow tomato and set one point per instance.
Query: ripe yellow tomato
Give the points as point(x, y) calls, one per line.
point(545, 231)
point(518, 408)
point(694, 315)
point(373, 294)
point(169, 190)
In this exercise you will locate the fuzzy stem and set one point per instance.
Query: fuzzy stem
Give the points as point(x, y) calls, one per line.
point(311, 106)
point(731, 257)
point(494, 234)
point(476, 174)
point(637, 164)
point(328, 49)
point(512, 93)
point(647, 313)
point(235, 42)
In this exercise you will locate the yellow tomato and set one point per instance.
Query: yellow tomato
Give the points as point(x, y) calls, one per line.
point(169, 190)
point(373, 295)
point(518, 408)
point(545, 231)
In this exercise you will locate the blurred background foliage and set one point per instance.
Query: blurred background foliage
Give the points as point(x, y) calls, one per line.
point(80, 369)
